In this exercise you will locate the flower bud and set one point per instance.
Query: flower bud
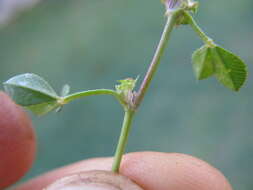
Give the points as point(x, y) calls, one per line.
point(173, 5)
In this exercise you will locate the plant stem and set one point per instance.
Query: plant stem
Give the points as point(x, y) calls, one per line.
point(129, 112)
point(77, 95)
point(156, 59)
point(199, 31)
point(126, 126)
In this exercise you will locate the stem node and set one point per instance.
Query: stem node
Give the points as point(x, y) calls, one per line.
point(137, 97)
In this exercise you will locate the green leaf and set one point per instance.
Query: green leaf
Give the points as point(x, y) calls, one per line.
point(228, 68)
point(33, 92)
point(65, 90)
point(202, 63)
point(44, 108)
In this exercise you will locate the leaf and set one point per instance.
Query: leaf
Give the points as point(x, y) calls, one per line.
point(65, 90)
point(228, 68)
point(33, 92)
point(44, 108)
point(202, 63)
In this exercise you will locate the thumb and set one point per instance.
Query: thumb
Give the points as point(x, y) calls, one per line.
point(95, 180)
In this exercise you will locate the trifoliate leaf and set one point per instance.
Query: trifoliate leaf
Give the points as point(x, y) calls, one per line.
point(33, 92)
point(228, 68)
point(202, 63)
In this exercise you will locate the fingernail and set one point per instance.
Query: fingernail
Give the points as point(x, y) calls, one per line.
point(94, 180)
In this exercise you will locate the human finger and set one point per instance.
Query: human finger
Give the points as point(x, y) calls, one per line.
point(150, 170)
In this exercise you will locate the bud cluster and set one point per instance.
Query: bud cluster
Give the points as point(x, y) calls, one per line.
point(174, 5)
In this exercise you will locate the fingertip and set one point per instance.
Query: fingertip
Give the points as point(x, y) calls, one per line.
point(150, 170)
point(17, 141)
point(44, 180)
point(165, 171)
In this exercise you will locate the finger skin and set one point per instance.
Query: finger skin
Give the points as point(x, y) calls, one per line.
point(150, 170)
point(17, 142)
point(42, 181)
point(172, 171)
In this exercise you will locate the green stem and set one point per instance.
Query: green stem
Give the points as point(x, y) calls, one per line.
point(126, 126)
point(199, 31)
point(77, 95)
point(129, 113)
point(171, 21)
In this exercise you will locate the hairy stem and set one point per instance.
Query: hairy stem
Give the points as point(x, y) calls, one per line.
point(156, 59)
point(126, 126)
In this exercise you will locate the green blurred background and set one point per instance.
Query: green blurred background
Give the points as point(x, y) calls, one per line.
point(93, 43)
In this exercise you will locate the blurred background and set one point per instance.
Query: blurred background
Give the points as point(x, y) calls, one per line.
point(93, 43)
